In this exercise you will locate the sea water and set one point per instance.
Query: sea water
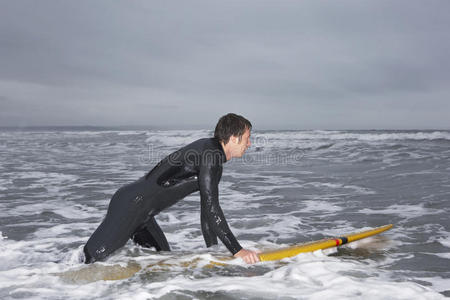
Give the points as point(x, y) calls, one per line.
point(290, 187)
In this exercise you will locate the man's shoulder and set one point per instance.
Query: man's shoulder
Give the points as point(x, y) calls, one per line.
point(207, 149)
point(202, 144)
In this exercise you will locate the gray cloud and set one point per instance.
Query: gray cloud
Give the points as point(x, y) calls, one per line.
point(284, 64)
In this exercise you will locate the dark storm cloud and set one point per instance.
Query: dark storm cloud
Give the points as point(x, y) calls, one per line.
point(284, 64)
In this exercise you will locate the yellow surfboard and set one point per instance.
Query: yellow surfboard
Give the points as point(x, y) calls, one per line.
point(320, 244)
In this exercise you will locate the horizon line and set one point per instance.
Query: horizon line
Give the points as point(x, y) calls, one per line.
point(194, 127)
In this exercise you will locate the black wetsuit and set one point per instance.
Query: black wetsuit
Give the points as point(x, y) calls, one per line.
point(131, 212)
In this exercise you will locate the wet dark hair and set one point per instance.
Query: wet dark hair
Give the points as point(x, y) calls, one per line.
point(231, 124)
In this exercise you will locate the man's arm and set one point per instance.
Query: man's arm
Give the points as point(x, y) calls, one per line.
point(209, 194)
point(209, 235)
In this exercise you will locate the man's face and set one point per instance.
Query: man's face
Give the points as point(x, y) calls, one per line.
point(239, 147)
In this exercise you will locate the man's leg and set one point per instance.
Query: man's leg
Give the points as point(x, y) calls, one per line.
point(151, 235)
point(116, 228)
point(106, 239)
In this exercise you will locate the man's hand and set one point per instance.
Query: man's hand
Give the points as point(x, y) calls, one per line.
point(248, 256)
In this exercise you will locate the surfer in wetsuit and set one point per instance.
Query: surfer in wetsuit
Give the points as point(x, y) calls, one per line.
point(195, 167)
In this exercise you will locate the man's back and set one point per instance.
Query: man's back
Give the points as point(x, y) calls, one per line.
point(186, 162)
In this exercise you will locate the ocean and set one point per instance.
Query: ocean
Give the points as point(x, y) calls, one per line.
point(290, 187)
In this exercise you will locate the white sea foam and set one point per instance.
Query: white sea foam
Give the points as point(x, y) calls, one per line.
point(405, 211)
point(50, 176)
point(341, 135)
point(439, 284)
point(419, 173)
point(63, 230)
point(260, 182)
point(5, 183)
point(82, 132)
point(322, 206)
point(235, 201)
point(53, 182)
point(175, 138)
point(131, 132)
point(66, 209)
point(314, 276)
point(442, 255)
point(445, 241)
point(270, 227)
point(328, 185)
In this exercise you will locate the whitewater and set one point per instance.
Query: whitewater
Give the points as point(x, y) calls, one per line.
point(290, 187)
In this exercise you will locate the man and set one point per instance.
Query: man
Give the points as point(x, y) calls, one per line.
point(197, 166)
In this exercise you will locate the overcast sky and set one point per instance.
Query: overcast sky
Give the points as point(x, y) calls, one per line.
point(182, 64)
